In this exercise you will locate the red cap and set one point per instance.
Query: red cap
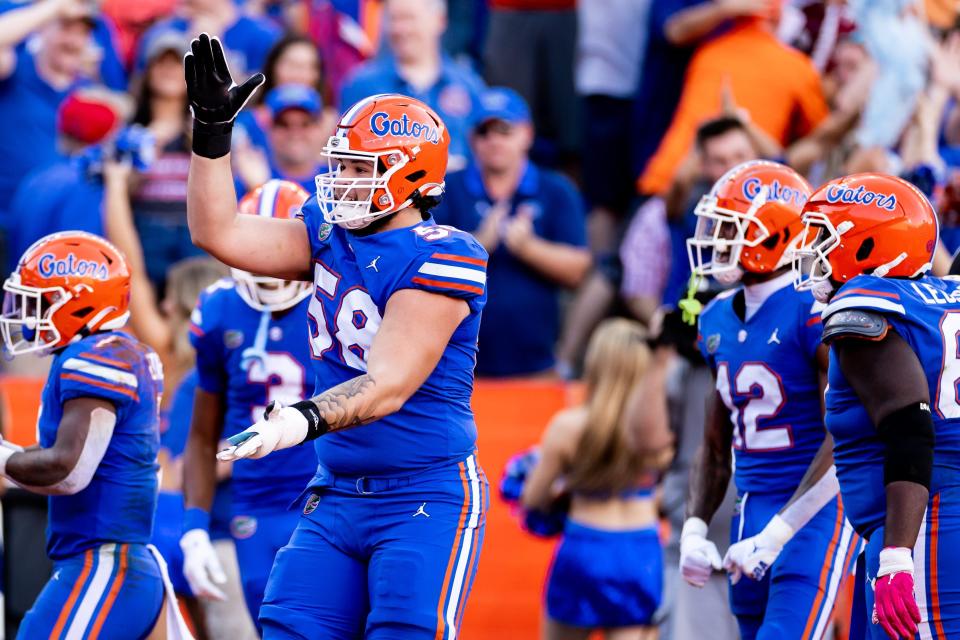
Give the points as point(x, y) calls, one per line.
point(87, 118)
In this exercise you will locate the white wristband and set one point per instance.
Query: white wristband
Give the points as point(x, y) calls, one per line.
point(778, 531)
point(695, 527)
point(895, 560)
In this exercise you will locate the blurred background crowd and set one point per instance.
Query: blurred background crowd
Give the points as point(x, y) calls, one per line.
point(583, 133)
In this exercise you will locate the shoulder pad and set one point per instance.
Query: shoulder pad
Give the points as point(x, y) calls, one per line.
point(855, 323)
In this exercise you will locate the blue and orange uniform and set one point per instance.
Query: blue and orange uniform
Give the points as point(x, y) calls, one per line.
point(390, 536)
point(106, 582)
point(767, 376)
point(250, 358)
point(925, 312)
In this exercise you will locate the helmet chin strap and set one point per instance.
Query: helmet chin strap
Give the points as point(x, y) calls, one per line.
point(884, 269)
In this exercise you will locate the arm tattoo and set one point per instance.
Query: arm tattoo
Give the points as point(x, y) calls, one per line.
point(349, 404)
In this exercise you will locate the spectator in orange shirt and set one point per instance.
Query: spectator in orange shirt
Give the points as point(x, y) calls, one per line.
point(778, 86)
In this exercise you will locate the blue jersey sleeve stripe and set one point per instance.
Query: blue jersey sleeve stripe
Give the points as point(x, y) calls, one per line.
point(456, 286)
point(864, 302)
point(110, 374)
point(446, 271)
point(100, 384)
point(107, 361)
point(451, 257)
point(868, 292)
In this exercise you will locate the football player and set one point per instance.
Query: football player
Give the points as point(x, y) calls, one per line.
point(762, 341)
point(390, 536)
point(892, 404)
point(98, 436)
point(251, 346)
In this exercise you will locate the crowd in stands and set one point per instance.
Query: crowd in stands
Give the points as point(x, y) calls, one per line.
point(582, 134)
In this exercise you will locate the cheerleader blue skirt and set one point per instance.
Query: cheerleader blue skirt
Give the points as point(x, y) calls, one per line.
point(605, 579)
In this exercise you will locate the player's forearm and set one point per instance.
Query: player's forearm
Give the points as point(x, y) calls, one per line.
point(38, 468)
point(562, 263)
point(709, 477)
point(818, 485)
point(199, 474)
point(906, 504)
point(358, 401)
point(211, 204)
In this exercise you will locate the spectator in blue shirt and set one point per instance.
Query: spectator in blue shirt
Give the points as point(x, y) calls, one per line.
point(67, 193)
point(246, 39)
point(34, 81)
point(416, 66)
point(294, 136)
point(531, 221)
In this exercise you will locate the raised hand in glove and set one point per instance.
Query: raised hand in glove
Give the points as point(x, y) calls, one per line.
point(215, 99)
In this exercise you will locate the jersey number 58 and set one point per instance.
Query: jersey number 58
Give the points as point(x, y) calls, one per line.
point(350, 331)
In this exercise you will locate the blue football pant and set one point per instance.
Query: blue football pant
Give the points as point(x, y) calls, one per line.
point(935, 559)
point(795, 598)
point(385, 564)
point(258, 537)
point(112, 592)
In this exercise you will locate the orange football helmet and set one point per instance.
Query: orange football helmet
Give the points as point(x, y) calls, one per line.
point(864, 223)
point(273, 199)
point(750, 221)
point(66, 286)
point(407, 143)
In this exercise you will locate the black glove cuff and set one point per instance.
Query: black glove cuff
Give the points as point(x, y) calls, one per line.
point(212, 140)
point(316, 425)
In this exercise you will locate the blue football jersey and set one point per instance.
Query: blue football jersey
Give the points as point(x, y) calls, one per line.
point(119, 503)
point(251, 358)
point(767, 376)
point(926, 313)
point(354, 277)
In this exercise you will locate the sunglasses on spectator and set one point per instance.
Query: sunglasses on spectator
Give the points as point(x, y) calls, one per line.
point(500, 127)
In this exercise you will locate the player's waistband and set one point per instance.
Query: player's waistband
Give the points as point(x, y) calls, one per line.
point(368, 485)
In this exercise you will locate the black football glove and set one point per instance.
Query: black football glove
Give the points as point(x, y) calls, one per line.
point(215, 99)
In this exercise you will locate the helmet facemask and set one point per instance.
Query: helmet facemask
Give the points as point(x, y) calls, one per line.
point(720, 236)
point(354, 203)
point(27, 319)
point(811, 263)
point(269, 294)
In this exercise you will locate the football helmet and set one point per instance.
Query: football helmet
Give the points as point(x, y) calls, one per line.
point(864, 223)
point(404, 139)
point(66, 286)
point(750, 221)
point(273, 199)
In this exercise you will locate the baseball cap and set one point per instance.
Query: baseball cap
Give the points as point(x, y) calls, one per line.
point(167, 41)
point(501, 103)
point(293, 96)
point(89, 115)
